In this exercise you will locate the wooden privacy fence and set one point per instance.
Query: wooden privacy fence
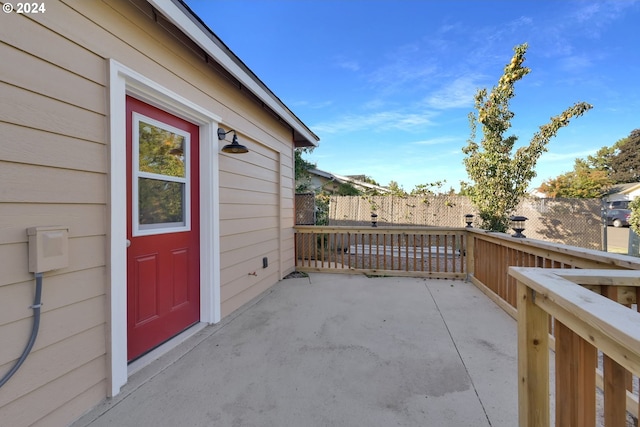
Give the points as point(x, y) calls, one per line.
point(574, 222)
point(429, 252)
point(585, 323)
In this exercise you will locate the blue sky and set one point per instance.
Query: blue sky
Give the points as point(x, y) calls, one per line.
point(387, 84)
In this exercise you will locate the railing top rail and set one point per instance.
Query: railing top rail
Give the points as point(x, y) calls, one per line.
point(610, 326)
point(606, 258)
point(599, 277)
point(379, 229)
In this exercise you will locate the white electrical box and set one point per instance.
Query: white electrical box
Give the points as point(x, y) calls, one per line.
point(48, 248)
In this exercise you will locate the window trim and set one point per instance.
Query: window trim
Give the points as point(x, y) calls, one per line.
point(138, 229)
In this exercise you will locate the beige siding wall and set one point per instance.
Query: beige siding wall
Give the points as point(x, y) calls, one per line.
point(249, 213)
point(53, 164)
point(54, 171)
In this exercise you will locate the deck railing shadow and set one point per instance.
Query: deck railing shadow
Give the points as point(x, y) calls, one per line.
point(485, 259)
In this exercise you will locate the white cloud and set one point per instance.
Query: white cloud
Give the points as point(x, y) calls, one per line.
point(576, 63)
point(311, 105)
point(381, 121)
point(587, 12)
point(457, 94)
point(439, 140)
point(601, 14)
point(350, 65)
point(560, 157)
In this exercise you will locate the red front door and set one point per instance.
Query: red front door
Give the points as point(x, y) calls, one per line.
point(163, 260)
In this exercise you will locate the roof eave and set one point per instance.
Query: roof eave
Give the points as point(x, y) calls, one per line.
point(180, 15)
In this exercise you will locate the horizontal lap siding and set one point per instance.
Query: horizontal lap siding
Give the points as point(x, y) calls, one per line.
point(250, 227)
point(54, 169)
point(287, 212)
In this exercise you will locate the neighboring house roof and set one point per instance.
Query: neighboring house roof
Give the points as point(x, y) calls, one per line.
point(179, 14)
point(341, 179)
point(624, 189)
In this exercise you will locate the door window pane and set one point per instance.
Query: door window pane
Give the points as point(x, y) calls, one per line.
point(160, 151)
point(160, 202)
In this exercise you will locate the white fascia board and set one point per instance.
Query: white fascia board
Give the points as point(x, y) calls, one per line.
point(178, 17)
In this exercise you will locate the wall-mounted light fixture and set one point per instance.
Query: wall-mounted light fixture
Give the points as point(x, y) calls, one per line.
point(374, 219)
point(234, 147)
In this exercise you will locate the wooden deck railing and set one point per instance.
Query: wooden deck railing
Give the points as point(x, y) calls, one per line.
point(586, 324)
point(496, 252)
point(428, 252)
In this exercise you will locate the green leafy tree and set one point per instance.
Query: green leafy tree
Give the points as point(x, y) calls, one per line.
point(302, 177)
point(396, 189)
point(583, 182)
point(500, 177)
point(634, 220)
point(322, 208)
point(369, 180)
point(602, 159)
point(593, 177)
point(625, 164)
point(346, 189)
point(430, 189)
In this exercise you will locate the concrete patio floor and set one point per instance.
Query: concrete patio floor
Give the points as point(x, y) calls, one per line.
point(336, 350)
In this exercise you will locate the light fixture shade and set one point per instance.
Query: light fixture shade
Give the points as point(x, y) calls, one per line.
point(234, 147)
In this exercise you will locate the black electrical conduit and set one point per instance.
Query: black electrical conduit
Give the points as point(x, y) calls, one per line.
point(37, 304)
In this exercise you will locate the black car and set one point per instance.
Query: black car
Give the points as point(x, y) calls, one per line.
point(618, 217)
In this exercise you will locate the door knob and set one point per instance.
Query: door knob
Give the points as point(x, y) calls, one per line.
point(128, 242)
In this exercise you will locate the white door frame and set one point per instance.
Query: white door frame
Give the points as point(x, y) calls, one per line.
point(124, 81)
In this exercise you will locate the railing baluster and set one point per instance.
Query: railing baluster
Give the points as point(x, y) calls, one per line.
point(384, 253)
point(406, 253)
point(421, 252)
point(615, 393)
point(315, 249)
point(575, 361)
point(322, 248)
point(338, 250)
point(377, 251)
point(392, 263)
point(460, 245)
point(453, 249)
point(355, 237)
point(351, 250)
point(429, 252)
point(439, 260)
point(446, 253)
point(463, 254)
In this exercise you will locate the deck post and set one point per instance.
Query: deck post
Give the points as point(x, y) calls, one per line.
point(469, 249)
point(533, 361)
